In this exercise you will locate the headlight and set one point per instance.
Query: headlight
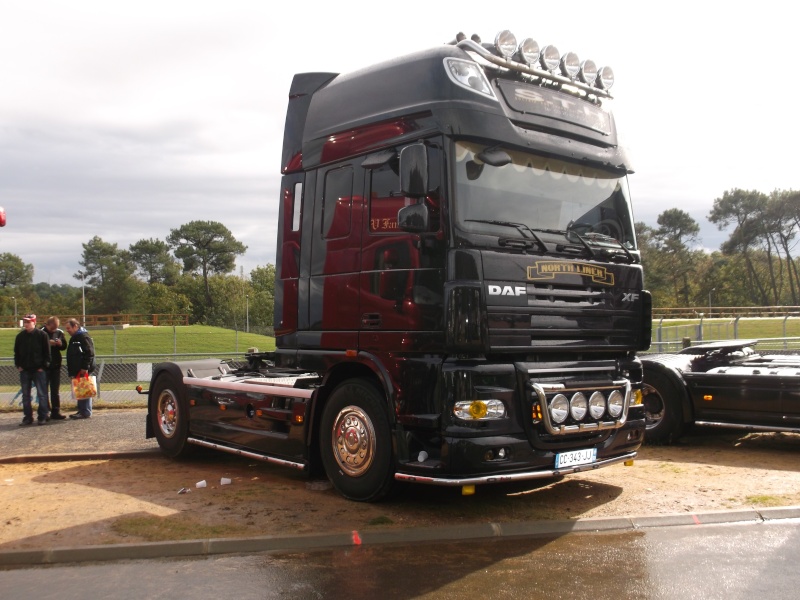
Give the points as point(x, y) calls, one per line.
point(578, 406)
point(468, 75)
point(506, 43)
point(605, 78)
point(550, 58)
point(475, 410)
point(570, 65)
point(597, 405)
point(616, 402)
point(529, 51)
point(559, 408)
point(588, 72)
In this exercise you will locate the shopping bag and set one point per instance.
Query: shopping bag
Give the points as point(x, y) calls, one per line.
point(84, 387)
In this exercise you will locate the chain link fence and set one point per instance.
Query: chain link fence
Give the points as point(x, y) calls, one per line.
point(117, 377)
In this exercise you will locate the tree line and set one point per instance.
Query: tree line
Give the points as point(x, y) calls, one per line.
point(190, 272)
point(755, 266)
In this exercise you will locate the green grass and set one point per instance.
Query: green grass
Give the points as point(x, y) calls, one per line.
point(748, 328)
point(189, 339)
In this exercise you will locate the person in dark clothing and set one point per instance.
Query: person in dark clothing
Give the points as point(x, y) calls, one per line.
point(58, 343)
point(80, 361)
point(32, 358)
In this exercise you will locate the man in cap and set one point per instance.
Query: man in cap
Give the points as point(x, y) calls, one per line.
point(32, 358)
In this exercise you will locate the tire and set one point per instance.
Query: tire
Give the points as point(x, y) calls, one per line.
point(355, 442)
point(169, 414)
point(664, 422)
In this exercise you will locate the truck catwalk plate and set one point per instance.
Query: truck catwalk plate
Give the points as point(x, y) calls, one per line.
point(576, 457)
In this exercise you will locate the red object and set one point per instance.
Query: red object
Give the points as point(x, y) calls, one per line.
point(2, 217)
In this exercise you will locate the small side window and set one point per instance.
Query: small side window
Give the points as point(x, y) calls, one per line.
point(298, 203)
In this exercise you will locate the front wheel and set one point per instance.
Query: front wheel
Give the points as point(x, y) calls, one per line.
point(663, 412)
point(170, 417)
point(355, 441)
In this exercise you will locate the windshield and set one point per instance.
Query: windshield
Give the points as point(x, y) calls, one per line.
point(539, 193)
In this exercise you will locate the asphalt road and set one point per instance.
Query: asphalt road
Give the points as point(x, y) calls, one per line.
point(109, 430)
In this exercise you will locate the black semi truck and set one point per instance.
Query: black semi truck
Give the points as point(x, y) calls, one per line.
point(459, 296)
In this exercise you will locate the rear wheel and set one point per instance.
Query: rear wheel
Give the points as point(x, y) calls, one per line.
point(170, 416)
point(663, 412)
point(355, 441)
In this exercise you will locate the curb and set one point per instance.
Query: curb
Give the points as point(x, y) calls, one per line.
point(215, 546)
point(33, 458)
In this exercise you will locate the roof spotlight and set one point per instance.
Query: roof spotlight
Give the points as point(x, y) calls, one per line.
point(605, 78)
point(570, 65)
point(588, 72)
point(505, 43)
point(550, 58)
point(529, 51)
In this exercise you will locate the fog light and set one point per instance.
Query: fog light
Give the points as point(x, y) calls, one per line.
point(506, 43)
point(550, 58)
point(570, 65)
point(559, 408)
point(605, 78)
point(616, 402)
point(578, 406)
point(529, 51)
point(597, 405)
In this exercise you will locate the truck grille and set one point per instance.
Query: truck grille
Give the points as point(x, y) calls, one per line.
point(564, 316)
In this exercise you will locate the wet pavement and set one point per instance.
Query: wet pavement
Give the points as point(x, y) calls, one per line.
point(730, 562)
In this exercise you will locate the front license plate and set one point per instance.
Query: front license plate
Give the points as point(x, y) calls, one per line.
point(576, 457)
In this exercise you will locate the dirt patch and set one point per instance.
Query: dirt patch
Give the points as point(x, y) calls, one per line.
point(130, 500)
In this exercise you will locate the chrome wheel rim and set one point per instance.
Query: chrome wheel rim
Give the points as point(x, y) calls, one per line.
point(653, 406)
point(353, 441)
point(167, 413)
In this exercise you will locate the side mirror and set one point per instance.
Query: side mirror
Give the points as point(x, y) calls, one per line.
point(414, 171)
point(414, 218)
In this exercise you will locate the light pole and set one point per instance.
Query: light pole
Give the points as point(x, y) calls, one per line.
point(83, 298)
point(709, 301)
point(16, 320)
point(247, 313)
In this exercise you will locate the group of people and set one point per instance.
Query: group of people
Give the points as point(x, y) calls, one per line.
point(38, 356)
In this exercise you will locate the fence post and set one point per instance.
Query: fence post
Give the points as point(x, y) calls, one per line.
point(658, 331)
point(700, 329)
point(114, 328)
point(785, 344)
point(736, 327)
point(174, 339)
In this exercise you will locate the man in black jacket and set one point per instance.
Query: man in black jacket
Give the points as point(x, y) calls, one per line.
point(80, 361)
point(32, 357)
point(58, 343)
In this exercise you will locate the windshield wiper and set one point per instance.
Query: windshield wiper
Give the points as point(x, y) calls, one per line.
point(601, 237)
point(521, 227)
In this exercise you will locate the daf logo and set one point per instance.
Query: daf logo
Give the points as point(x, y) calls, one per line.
point(629, 297)
point(506, 290)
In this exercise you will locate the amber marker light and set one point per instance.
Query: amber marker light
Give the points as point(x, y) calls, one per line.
point(708, 397)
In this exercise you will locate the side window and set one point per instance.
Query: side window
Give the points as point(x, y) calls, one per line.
point(296, 209)
point(385, 200)
point(337, 203)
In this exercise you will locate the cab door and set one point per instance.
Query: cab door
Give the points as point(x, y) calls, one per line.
point(333, 299)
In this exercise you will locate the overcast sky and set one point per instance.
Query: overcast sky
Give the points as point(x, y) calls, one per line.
point(125, 119)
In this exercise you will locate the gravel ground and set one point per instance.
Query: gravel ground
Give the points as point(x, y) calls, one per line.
point(109, 430)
